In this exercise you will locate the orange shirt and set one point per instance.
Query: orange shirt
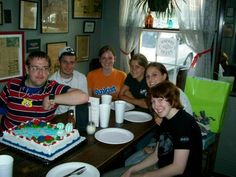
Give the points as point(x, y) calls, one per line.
point(101, 84)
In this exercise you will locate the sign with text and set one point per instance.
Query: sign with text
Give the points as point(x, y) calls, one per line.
point(167, 47)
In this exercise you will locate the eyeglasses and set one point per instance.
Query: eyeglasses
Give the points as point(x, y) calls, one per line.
point(44, 69)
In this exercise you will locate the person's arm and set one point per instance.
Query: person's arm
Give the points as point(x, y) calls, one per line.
point(127, 96)
point(72, 97)
point(174, 169)
point(150, 160)
point(90, 92)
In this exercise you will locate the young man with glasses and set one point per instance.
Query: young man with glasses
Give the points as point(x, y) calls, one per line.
point(67, 75)
point(34, 96)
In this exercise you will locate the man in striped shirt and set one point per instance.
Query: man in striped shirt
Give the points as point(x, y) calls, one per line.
point(34, 96)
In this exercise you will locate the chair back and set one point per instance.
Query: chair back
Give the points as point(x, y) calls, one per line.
point(210, 96)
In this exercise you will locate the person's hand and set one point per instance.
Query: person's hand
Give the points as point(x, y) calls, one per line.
point(48, 104)
point(148, 150)
point(72, 120)
point(158, 120)
point(127, 173)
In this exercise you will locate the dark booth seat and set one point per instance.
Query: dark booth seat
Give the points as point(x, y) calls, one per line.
point(82, 116)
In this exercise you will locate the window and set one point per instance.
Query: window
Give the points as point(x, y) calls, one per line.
point(175, 57)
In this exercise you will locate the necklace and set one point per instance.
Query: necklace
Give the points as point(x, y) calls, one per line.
point(67, 81)
point(27, 101)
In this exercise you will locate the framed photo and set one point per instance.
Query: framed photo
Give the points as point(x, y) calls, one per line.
point(54, 16)
point(33, 45)
point(87, 8)
point(1, 14)
point(7, 16)
point(52, 51)
point(230, 12)
point(89, 26)
point(228, 30)
point(28, 14)
point(12, 59)
point(82, 47)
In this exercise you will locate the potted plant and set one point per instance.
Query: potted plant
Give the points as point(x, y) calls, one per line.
point(161, 7)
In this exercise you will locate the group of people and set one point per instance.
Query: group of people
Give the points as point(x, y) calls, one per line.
point(38, 95)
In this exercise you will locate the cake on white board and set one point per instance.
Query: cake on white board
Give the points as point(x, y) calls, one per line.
point(42, 139)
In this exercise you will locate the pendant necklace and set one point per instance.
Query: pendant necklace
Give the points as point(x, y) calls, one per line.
point(27, 102)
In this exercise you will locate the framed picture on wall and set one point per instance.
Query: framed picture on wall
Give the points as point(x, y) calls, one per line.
point(33, 45)
point(228, 30)
point(89, 26)
point(87, 8)
point(52, 51)
point(7, 15)
point(28, 14)
point(54, 16)
point(1, 14)
point(11, 65)
point(82, 47)
point(230, 12)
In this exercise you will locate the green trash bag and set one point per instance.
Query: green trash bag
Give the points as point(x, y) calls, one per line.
point(210, 96)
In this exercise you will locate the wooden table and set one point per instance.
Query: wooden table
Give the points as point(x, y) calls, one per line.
point(103, 156)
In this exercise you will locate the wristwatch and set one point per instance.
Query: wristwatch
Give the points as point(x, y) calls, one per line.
point(52, 97)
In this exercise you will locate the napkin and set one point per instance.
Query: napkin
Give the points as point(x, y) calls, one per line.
point(94, 110)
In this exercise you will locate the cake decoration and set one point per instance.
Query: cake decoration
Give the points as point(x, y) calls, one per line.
point(42, 139)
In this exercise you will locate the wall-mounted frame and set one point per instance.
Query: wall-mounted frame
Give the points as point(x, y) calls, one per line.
point(87, 8)
point(7, 15)
point(89, 26)
point(54, 16)
point(230, 12)
point(1, 14)
point(12, 55)
point(33, 45)
point(28, 14)
point(228, 30)
point(52, 51)
point(82, 47)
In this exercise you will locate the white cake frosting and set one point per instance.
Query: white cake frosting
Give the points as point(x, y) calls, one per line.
point(45, 140)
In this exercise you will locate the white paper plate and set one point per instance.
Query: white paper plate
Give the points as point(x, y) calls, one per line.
point(114, 136)
point(137, 116)
point(65, 168)
point(128, 106)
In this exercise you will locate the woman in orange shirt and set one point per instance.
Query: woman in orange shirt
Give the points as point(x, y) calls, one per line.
point(107, 79)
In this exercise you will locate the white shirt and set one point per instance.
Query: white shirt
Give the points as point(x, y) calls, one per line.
point(77, 81)
point(185, 102)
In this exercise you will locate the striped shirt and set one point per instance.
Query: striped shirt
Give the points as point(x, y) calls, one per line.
point(25, 103)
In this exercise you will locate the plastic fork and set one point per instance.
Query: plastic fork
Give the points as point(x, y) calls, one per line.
point(76, 171)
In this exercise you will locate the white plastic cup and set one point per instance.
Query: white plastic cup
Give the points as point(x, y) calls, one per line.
point(120, 111)
point(106, 99)
point(104, 115)
point(6, 165)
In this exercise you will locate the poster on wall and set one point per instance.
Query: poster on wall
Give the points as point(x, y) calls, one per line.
point(54, 15)
point(52, 51)
point(87, 8)
point(11, 55)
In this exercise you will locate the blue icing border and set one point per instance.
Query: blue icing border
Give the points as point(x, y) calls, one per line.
point(41, 153)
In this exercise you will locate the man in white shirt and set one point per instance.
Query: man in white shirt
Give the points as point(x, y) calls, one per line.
point(67, 75)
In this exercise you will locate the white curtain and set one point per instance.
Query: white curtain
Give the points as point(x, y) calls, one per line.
point(130, 23)
point(197, 22)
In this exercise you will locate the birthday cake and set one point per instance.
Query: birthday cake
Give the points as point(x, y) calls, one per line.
point(42, 139)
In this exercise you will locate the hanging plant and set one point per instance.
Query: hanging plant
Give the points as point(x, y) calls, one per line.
point(164, 8)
